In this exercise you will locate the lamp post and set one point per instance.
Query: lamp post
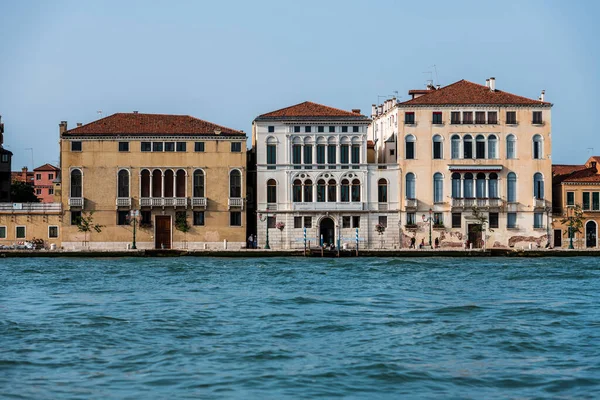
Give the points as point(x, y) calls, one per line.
point(570, 229)
point(260, 217)
point(399, 233)
point(133, 215)
point(428, 219)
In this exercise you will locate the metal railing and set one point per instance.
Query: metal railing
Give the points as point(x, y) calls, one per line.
point(76, 201)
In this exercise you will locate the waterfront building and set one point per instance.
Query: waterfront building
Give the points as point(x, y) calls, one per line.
point(184, 176)
point(5, 167)
point(470, 154)
point(316, 178)
point(576, 185)
point(43, 182)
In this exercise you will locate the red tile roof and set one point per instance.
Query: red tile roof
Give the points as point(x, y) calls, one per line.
point(150, 124)
point(465, 92)
point(562, 169)
point(309, 109)
point(47, 167)
point(585, 175)
point(576, 173)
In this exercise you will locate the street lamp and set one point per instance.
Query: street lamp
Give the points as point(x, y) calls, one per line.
point(570, 218)
point(133, 215)
point(430, 220)
point(260, 217)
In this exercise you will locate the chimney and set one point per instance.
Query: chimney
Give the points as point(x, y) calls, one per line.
point(487, 83)
point(438, 87)
point(594, 166)
point(79, 124)
point(356, 110)
point(62, 127)
point(373, 110)
point(542, 95)
point(135, 112)
point(24, 174)
point(217, 131)
point(493, 84)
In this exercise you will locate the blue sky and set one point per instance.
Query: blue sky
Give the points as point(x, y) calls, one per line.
point(228, 62)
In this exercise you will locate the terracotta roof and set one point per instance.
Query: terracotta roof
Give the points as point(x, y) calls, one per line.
point(150, 124)
point(309, 109)
point(465, 92)
point(575, 173)
point(47, 167)
point(585, 175)
point(562, 169)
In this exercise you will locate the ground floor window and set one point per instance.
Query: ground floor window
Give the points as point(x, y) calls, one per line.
point(346, 222)
point(356, 222)
point(75, 217)
point(146, 219)
point(438, 219)
point(511, 220)
point(122, 217)
point(538, 220)
point(297, 222)
point(456, 220)
point(198, 218)
point(235, 218)
point(2, 232)
point(493, 220)
point(383, 220)
point(411, 219)
point(21, 232)
point(52, 232)
point(271, 222)
point(308, 222)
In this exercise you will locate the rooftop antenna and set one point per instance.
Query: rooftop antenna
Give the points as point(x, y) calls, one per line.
point(387, 96)
point(590, 150)
point(32, 164)
point(430, 80)
point(437, 80)
point(99, 112)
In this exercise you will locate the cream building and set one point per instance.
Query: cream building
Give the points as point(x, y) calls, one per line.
point(468, 145)
point(176, 170)
point(314, 178)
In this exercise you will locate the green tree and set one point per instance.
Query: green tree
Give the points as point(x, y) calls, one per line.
point(181, 224)
point(21, 192)
point(482, 223)
point(85, 224)
point(574, 220)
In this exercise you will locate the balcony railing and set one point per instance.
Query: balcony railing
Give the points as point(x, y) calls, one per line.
point(328, 206)
point(271, 206)
point(123, 201)
point(163, 202)
point(539, 203)
point(236, 202)
point(31, 207)
point(198, 201)
point(482, 203)
point(410, 203)
point(75, 201)
point(175, 201)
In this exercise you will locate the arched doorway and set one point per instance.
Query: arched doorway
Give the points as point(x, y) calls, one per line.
point(327, 231)
point(590, 234)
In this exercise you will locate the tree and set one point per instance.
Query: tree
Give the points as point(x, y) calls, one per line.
point(21, 192)
point(85, 224)
point(482, 223)
point(574, 220)
point(181, 224)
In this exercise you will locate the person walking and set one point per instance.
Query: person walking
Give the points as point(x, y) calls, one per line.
point(437, 243)
point(412, 243)
point(250, 242)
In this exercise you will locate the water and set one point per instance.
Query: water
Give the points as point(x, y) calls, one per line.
point(299, 328)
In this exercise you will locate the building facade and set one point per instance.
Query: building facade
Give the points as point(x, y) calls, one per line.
point(474, 163)
point(184, 177)
point(313, 180)
point(5, 167)
point(43, 182)
point(576, 186)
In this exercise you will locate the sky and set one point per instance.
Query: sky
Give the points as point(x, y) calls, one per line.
point(228, 62)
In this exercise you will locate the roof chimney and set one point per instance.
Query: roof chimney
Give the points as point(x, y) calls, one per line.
point(373, 110)
point(594, 166)
point(62, 127)
point(493, 84)
point(79, 124)
point(542, 95)
point(356, 110)
point(487, 83)
point(135, 112)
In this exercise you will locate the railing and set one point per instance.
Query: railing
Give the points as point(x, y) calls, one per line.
point(382, 206)
point(410, 203)
point(123, 201)
point(469, 202)
point(198, 201)
point(494, 202)
point(175, 201)
point(539, 203)
point(271, 206)
point(457, 202)
point(163, 201)
point(236, 202)
point(487, 202)
point(31, 207)
point(328, 206)
point(76, 201)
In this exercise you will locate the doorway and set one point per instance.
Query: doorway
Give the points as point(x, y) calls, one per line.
point(474, 235)
point(590, 234)
point(162, 232)
point(327, 231)
point(557, 238)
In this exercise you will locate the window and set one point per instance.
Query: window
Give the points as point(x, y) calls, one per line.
point(38, 177)
point(570, 198)
point(538, 186)
point(308, 222)
point(2, 232)
point(355, 155)
point(456, 185)
point(511, 149)
point(480, 186)
point(410, 186)
point(346, 222)
point(492, 146)
point(76, 183)
point(493, 220)
point(123, 183)
point(411, 219)
point(235, 183)
point(169, 146)
point(76, 146)
point(51, 191)
point(345, 155)
point(537, 117)
point(198, 189)
point(492, 118)
point(146, 219)
point(468, 186)
point(124, 146)
point(382, 192)
point(511, 117)
point(297, 222)
point(355, 192)
point(75, 217)
point(38, 192)
point(308, 191)
point(480, 147)
point(50, 176)
point(437, 118)
point(297, 155)
point(410, 147)
point(345, 191)
point(21, 232)
point(320, 190)
point(321, 154)
point(235, 218)
point(5, 158)
point(383, 221)
point(355, 221)
point(538, 220)
point(468, 146)
point(122, 217)
point(146, 146)
point(511, 188)
point(467, 117)
point(320, 129)
point(438, 219)
point(438, 188)
point(455, 144)
point(456, 220)
point(511, 220)
point(344, 129)
point(596, 201)
point(296, 191)
point(181, 146)
point(437, 147)
point(308, 150)
point(537, 147)
point(199, 147)
point(331, 129)
point(331, 154)
point(272, 191)
point(271, 156)
point(271, 222)
point(198, 218)
point(53, 232)
point(493, 186)
point(157, 146)
point(296, 129)
point(236, 147)
point(355, 129)
point(480, 117)
point(409, 118)
point(455, 117)
point(586, 200)
point(271, 129)
point(331, 191)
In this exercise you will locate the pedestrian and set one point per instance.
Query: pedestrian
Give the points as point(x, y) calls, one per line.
point(437, 243)
point(250, 241)
point(412, 243)
point(422, 243)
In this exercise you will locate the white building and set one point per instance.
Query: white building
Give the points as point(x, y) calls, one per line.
point(316, 174)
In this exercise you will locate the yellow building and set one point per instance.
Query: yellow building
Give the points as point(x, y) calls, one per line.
point(24, 224)
point(176, 170)
point(576, 185)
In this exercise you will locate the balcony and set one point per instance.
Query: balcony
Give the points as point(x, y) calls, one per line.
point(199, 202)
point(75, 201)
point(123, 201)
point(236, 202)
point(175, 201)
point(31, 207)
point(163, 202)
point(410, 203)
point(271, 206)
point(481, 203)
point(539, 203)
point(329, 206)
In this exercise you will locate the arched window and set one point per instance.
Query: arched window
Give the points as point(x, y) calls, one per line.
point(480, 147)
point(480, 186)
point(511, 147)
point(235, 184)
point(382, 194)
point(345, 191)
point(492, 147)
point(180, 179)
point(538, 186)
point(272, 191)
point(511, 187)
point(321, 190)
point(198, 183)
point(456, 186)
point(76, 183)
point(145, 192)
point(308, 191)
point(331, 191)
point(493, 186)
point(296, 191)
point(410, 186)
point(410, 147)
point(468, 186)
point(355, 190)
point(468, 146)
point(169, 179)
point(438, 188)
point(438, 149)
point(271, 152)
point(157, 183)
point(455, 147)
point(123, 183)
point(537, 147)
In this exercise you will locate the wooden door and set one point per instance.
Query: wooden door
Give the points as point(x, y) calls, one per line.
point(162, 232)
point(557, 238)
point(475, 235)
